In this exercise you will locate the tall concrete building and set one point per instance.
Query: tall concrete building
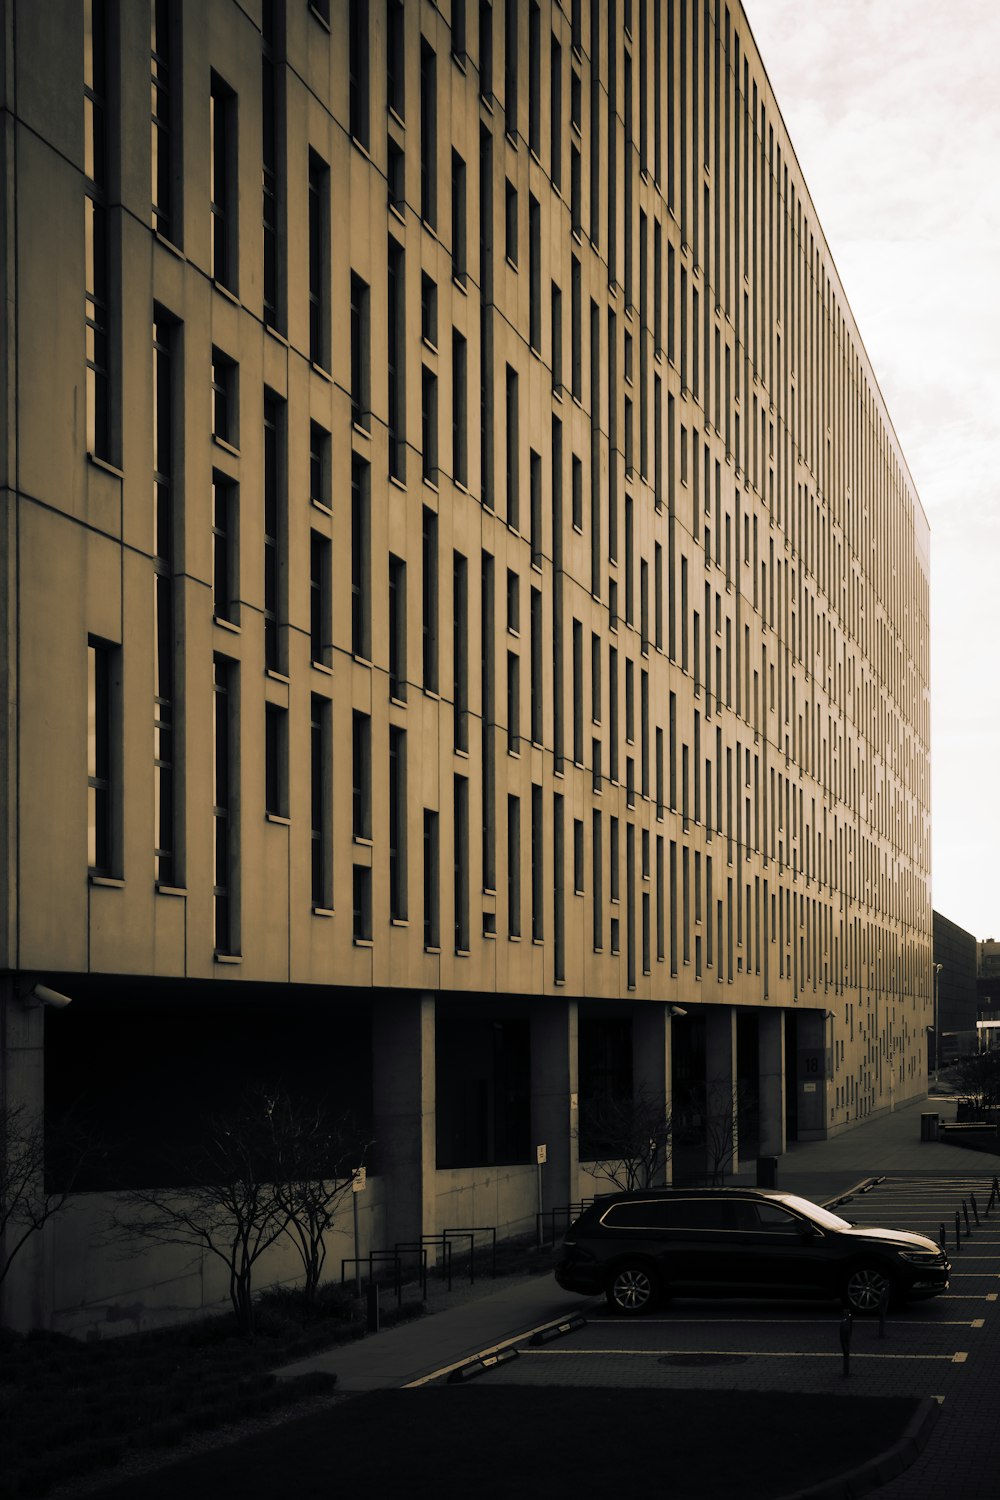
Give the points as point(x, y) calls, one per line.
point(465, 607)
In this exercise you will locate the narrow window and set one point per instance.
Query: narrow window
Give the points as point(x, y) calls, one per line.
point(165, 334)
point(320, 780)
point(362, 771)
point(360, 353)
point(461, 864)
point(557, 365)
point(319, 465)
point(535, 482)
point(320, 614)
point(555, 115)
point(225, 399)
point(432, 881)
point(513, 500)
point(510, 223)
point(97, 299)
point(396, 338)
point(362, 904)
point(459, 253)
point(459, 408)
point(460, 650)
point(223, 175)
point(458, 31)
point(319, 261)
point(102, 673)
point(535, 80)
point(429, 424)
point(537, 686)
point(271, 159)
point(486, 51)
point(225, 780)
point(535, 274)
point(576, 332)
point(510, 69)
point(163, 83)
point(597, 880)
point(428, 135)
point(513, 703)
point(397, 824)
point(274, 530)
point(577, 494)
point(225, 549)
point(430, 601)
point(397, 628)
point(361, 559)
point(395, 59)
point(275, 760)
point(360, 107)
point(578, 857)
point(513, 866)
point(537, 866)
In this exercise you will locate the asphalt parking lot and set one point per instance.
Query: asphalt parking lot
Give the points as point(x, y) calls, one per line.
point(926, 1348)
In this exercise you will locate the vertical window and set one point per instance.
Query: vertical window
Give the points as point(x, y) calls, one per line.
point(558, 883)
point(361, 741)
point(273, 529)
point(485, 49)
point(320, 613)
point(460, 650)
point(397, 824)
point(513, 866)
point(164, 749)
point(97, 251)
point(319, 803)
point(575, 191)
point(555, 115)
point(225, 399)
point(510, 69)
point(225, 549)
point(577, 493)
point(432, 880)
point(513, 501)
point(458, 30)
point(397, 628)
point(510, 223)
point(319, 261)
point(430, 600)
point(461, 864)
point(537, 866)
point(513, 703)
point(557, 369)
point(362, 904)
point(535, 482)
point(429, 424)
point(319, 465)
point(578, 856)
point(360, 353)
point(271, 157)
point(428, 310)
point(597, 879)
point(576, 332)
point(428, 134)
point(395, 59)
point(224, 182)
point(275, 760)
point(577, 693)
point(225, 782)
point(459, 252)
point(459, 409)
point(396, 337)
point(537, 686)
point(163, 138)
point(535, 79)
point(358, 44)
point(535, 274)
point(487, 670)
point(361, 559)
point(100, 740)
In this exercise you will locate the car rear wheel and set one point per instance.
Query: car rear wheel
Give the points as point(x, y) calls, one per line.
point(865, 1288)
point(632, 1289)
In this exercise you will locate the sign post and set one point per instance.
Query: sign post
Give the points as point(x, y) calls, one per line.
point(359, 1181)
point(541, 1154)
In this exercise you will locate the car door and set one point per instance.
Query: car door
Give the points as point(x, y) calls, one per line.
point(697, 1243)
point(776, 1252)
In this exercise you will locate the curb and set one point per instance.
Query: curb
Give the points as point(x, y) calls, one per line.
point(864, 1185)
point(881, 1469)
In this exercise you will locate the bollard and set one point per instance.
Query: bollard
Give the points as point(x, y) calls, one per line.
point(965, 1210)
point(883, 1305)
point(975, 1210)
point(846, 1329)
point(943, 1238)
point(958, 1230)
point(989, 1205)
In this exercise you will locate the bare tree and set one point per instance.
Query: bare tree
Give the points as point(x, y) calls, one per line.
point(315, 1160)
point(631, 1138)
point(25, 1206)
point(977, 1082)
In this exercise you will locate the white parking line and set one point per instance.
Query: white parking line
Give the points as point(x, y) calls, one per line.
point(794, 1322)
point(955, 1359)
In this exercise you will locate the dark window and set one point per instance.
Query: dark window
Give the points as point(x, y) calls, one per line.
point(513, 497)
point(395, 58)
point(319, 261)
point(362, 904)
point(458, 30)
point(513, 866)
point(537, 866)
point(225, 549)
point(362, 771)
point(429, 424)
point(162, 84)
point(319, 802)
point(273, 529)
point(430, 601)
point(224, 782)
point(458, 219)
point(397, 628)
point(428, 134)
point(459, 408)
point(485, 49)
point(432, 880)
point(97, 260)
point(510, 222)
point(225, 398)
point(460, 650)
point(535, 80)
point(535, 273)
point(428, 310)
point(462, 864)
point(510, 68)
point(100, 740)
point(275, 760)
point(361, 567)
point(555, 107)
point(164, 437)
point(271, 155)
point(397, 823)
point(320, 627)
point(223, 174)
point(360, 352)
point(397, 362)
point(319, 465)
point(358, 45)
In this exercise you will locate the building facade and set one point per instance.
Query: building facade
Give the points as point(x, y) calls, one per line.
point(957, 996)
point(466, 608)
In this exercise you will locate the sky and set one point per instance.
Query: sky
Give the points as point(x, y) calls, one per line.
point(893, 108)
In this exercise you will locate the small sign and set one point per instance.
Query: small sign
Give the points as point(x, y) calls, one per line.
point(359, 1180)
point(809, 1088)
point(541, 1154)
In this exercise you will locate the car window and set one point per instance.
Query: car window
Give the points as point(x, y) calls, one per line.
point(669, 1213)
point(775, 1219)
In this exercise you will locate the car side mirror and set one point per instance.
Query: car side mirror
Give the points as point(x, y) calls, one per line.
point(809, 1231)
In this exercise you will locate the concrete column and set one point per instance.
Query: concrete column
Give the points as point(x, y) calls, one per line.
point(722, 1137)
point(555, 1103)
point(652, 1079)
point(25, 1296)
point(404, 1092)
point(771, 1066)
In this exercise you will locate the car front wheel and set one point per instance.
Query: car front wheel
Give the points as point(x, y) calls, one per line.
point(631, 1289)
point(865, 1288)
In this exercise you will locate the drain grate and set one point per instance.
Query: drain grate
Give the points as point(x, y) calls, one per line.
point(703, 1359)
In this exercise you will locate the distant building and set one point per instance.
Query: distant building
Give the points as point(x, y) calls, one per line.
point(465, 608)
point(957, 996)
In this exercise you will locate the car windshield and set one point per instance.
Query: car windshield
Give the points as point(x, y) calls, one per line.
point(821, 1216)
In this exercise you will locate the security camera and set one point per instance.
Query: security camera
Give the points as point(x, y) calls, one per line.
point(40, 994)
point(676, 1010)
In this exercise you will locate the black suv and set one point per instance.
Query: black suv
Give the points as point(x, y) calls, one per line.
point(640, 1247)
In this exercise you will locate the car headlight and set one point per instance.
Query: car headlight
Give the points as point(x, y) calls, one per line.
point(921, 1257)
